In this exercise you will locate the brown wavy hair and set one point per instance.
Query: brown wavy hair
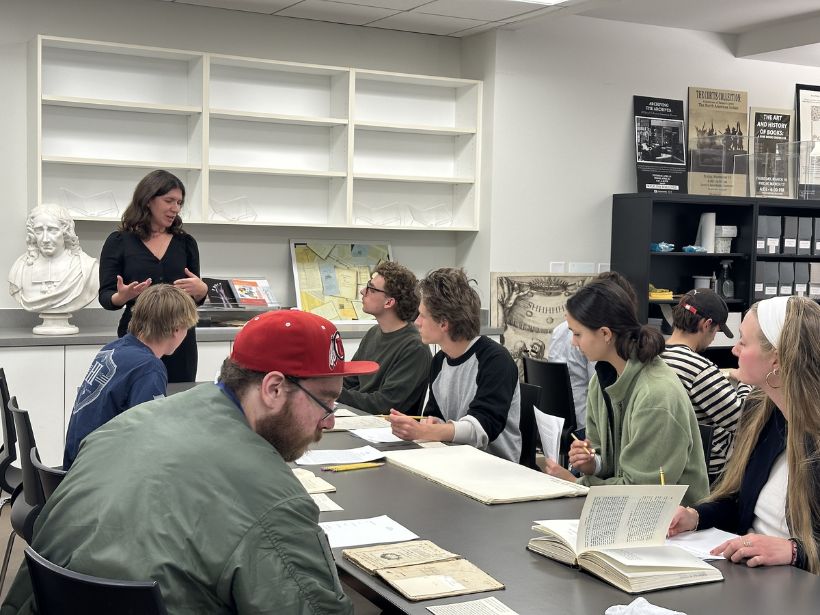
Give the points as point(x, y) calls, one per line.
point(400, 284)
point(800, 377)
point(160, 310)
point(137, 217)
point(449, 297)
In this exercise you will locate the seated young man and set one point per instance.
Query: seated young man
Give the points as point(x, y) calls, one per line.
point(696, 320)
point(394, 343)
point(128, 371)
point(474, 397)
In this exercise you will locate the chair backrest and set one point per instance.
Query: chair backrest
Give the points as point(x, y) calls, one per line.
point(10, 477)
point(65, 592)
point(556, 393)
point(50, 478)
point(707, 433)
point(32, 490)
point(530, 394)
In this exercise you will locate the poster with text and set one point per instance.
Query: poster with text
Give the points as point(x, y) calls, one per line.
point(660, 145)
point(807, 106)
point(718, 157)
point(772, 131)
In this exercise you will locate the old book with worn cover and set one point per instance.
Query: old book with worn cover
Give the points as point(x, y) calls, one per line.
point(421, 570)
point(621, 537)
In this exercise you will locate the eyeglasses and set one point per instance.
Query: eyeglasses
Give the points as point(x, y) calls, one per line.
point(369, 288)
point(328, 410)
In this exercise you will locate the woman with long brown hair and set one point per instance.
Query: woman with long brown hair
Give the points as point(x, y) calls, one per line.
point(150, 247)
point(770, 490)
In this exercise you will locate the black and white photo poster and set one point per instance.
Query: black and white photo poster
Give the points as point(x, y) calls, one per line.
point(718, 158)
point(660, 154)
point(772, 132)
point(807, 106)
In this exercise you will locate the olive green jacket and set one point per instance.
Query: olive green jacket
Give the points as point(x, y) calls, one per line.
point(181, 490)
point(654, 427)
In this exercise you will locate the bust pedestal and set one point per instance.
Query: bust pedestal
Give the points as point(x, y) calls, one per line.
point(55, 324)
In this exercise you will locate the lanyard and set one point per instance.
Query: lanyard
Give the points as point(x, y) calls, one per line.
point(230, 395)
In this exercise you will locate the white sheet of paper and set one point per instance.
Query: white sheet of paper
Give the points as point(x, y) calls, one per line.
point(349, 423)
point(324, 503)
point(380, 434)
point(355, 532)
point(485, 606)
point(549, 428)
point(349, 455)
point(344, 412)
point(701, 542)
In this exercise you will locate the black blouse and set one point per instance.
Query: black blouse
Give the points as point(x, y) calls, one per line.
point(126, 255)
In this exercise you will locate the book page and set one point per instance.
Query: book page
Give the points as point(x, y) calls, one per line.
point(655, 557)
point(355, 532)
point(348, 423)
point(485, 606)
point(700, 543)
point(324, 503)
point(345, 455)
point(397, 554)
point(617, 516)
point(484, 477)
point(438, 579)
point(311, 482)
point(564, 529)
point(549, 428)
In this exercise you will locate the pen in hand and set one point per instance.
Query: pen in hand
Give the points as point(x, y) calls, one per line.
point(663, 477)
point(577, 439)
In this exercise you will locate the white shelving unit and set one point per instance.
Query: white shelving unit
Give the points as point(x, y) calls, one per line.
point(255, 141)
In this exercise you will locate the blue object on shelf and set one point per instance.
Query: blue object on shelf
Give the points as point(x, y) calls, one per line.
point(661, 247)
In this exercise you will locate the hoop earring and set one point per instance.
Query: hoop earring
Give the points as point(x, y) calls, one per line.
point(774, 372)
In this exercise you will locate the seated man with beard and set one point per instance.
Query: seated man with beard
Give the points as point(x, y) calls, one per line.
point(194, 490)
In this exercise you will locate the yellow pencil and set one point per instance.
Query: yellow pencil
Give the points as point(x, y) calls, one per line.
point(663, 478)
point(353, 466)
point(577, 439)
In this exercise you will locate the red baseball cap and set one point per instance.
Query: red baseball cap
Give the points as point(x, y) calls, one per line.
point(296, 343)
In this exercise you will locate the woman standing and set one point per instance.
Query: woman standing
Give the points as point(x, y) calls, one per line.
point(150, 247)
point(770, 490)
point(639, 417)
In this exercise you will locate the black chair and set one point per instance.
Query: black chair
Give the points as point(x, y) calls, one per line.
point(707, 433)
point(50, 478)
point(529, 429)
point(10, 477)
point(58, 591)
point(556, 394)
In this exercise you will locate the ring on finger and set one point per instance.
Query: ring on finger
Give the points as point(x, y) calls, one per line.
point(747, 542)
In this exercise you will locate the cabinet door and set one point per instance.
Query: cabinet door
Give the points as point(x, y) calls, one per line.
point(211, 356)
point(35, 377)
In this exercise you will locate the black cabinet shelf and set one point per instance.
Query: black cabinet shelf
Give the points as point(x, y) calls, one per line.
point(639, 220)
point(701, 254)
point(675, 301)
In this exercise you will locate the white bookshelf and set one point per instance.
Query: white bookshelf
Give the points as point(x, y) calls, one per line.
point(256, 141)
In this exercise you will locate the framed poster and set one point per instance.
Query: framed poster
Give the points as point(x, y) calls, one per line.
point(527, 307)
point(660, 145)
point(329, 275)
point(807, 110)
point(771, 169)
point(718, 156)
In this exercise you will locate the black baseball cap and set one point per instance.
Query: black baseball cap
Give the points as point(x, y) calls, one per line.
point(707, 304)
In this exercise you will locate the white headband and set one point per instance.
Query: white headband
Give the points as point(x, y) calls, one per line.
point(771, 314)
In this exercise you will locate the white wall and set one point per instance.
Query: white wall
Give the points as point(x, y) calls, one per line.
point(224, 250)
point(562, 135)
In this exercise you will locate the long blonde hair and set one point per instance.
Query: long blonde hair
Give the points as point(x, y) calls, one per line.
point(800, 378)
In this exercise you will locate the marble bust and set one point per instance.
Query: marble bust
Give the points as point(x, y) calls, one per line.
point(54, 277)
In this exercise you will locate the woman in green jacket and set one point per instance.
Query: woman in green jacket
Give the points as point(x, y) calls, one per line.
point(639, 417)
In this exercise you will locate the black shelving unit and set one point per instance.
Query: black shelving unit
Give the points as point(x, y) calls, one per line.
point(644, 218)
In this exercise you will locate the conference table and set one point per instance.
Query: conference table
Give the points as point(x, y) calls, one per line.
point(494, 538)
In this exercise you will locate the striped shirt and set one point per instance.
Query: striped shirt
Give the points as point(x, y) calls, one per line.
point(715, 400)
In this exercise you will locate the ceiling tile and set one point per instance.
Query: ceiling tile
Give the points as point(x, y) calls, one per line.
point(490, 25)
point(336, 12)
point(399, 5)
point(426, 24)
point(482, 10)
point(253, 6)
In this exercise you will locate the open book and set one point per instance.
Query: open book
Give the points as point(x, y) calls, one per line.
point(621, 537)
point(481, 476)
point(421, 570)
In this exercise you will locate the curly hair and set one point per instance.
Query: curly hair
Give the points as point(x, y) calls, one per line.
point(72, 242)
point(449, 297)
point(137, 216)
point(400, 284)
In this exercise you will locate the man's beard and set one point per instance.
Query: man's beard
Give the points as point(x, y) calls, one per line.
point(284, 434)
